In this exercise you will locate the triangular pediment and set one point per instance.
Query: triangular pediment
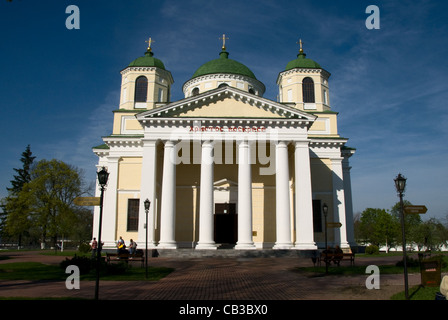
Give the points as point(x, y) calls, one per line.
point(227, 102)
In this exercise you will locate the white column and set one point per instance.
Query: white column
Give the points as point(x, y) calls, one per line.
point(206, 218)
point(304, 197)
point(148, 191)
point(348, 201)
point(339, 203)
point(168, 203)
point(244, 197)
point(282, 201)
point(109, 227)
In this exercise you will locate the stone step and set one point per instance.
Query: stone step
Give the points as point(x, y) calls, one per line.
point(258, 253)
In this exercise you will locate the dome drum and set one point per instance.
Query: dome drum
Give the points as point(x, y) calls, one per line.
point(212, 81)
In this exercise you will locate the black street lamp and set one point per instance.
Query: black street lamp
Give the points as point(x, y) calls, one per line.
point(103, 176)
point(147, 204)
point(325, 210)
point(400, 185)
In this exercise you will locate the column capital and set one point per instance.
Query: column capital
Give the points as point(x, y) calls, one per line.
point(208, 143)
point(282, 143)
point(302, 143)
point(170, 142)
point(150, 142)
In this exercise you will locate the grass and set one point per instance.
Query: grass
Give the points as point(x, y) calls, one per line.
point(31, 271)
point(418, 293)
point(35, 271)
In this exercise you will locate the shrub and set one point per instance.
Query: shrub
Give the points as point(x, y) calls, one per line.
point(84, 248)
point(372, 249)
point(87, 265)
point(83, 263)
point(410, 262)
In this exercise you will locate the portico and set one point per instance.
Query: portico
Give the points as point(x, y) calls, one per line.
point(225, 166)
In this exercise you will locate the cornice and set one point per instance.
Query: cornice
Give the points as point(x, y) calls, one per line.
point(220, 76)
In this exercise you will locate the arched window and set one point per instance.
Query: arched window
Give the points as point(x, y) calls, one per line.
point(141, 89)
point(195, 92)
point(308, 90)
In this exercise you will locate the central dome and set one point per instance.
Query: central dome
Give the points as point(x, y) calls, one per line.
point(224, 65)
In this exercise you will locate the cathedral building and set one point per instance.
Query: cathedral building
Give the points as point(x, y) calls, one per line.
point(224, 166)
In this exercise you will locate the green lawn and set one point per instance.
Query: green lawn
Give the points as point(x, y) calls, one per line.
point(418, 293)
point(38, 271)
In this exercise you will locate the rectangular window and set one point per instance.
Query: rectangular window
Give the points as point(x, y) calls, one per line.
point(317, 216)
point(160, 95)
point(290, 95)
point(133, 208)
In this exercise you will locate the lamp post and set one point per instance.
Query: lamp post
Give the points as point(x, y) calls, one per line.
point(325, 210)
point(147, 204)
point(103, 176)
point(400, 185)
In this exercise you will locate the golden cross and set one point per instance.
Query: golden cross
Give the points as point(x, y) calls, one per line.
point(300, 43)
point(149, 43)
point(223, 41)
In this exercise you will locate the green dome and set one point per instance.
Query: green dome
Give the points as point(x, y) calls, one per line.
point(147, 61)
point(302, 62)
point(224, 65)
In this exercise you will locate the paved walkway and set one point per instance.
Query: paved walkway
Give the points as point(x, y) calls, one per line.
point(220, 279)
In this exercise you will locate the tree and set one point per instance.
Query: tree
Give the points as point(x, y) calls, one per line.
point(431, 234)
point(52, 190)
point(50, 194)
point(23, 174)
point(411, 222)
point(15, 211)
point(378, 227)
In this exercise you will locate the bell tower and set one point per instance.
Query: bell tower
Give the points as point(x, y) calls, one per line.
point(145, 85)
point(304, 84)
point(145, 82)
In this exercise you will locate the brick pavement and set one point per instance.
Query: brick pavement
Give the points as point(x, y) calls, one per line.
point(220, 279)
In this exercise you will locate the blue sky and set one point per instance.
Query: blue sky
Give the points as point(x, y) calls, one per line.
point(59, 86)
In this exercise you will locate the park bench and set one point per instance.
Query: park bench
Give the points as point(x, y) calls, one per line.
point(125, 257)
point(337, 258)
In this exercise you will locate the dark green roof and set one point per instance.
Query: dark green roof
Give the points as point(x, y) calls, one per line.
point(224, 65)
point(302, 62)
point(147, 61)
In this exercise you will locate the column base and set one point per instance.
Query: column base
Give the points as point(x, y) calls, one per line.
point(206, 246)
point(282, 246)
point(142, 245)
point(344, 245)
point(167, 245)
point(245, 246)
point(305, 246)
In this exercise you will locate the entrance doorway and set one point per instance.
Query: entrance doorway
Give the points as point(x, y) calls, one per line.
point(226, 223)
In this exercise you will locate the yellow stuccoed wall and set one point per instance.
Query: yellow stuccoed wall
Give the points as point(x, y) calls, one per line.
point(129, 177)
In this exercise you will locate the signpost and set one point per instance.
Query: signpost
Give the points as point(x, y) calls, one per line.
point(334, 224)
point(415, 209)
point(87, 201)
